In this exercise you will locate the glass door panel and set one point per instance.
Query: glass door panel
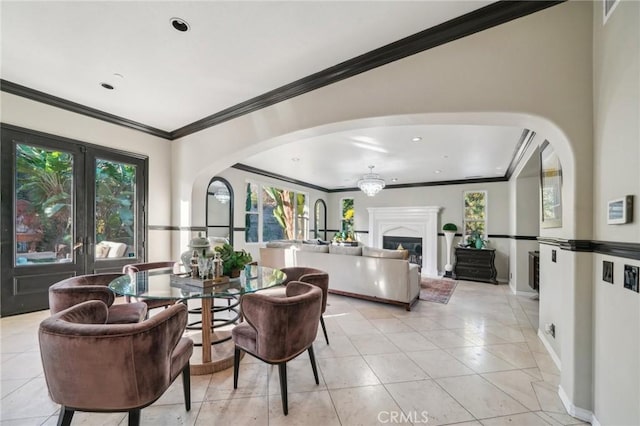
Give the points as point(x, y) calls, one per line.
point(43, 206)
point(115, 227)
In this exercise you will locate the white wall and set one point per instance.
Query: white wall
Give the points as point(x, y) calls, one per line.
point(44, 118)
point(616, 311)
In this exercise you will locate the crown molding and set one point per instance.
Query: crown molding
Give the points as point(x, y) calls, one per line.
point(479, 20)
point(45, 98)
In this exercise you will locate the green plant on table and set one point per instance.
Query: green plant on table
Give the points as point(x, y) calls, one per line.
point(233, 259)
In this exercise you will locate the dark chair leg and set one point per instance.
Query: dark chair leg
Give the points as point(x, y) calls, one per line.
point(312, 357)
point(186, 386)
point(236, 367)
point(134, 417)
point(324, 329)
point(282, 368)
point(66, 414)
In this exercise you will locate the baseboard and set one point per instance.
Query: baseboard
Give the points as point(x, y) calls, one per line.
point(594, 421)
point(549, 349)
point(524, 293)
point(573, 411)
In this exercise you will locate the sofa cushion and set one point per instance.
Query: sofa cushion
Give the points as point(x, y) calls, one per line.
point(351, 251)
point(385, 253)
point(314, 247)
point(281, 244)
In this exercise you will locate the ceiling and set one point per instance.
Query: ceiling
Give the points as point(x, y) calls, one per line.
point(233, 52)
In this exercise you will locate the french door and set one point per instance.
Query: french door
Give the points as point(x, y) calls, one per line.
point(68, 208)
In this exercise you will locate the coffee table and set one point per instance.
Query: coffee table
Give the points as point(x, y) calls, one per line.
point(162, 284)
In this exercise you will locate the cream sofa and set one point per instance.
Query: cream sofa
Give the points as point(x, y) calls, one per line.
point(378, 278)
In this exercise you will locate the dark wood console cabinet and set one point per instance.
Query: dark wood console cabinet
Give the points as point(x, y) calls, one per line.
point(475, 265)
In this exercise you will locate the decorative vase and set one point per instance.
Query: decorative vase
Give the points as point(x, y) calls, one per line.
point(448, 236)
point(479, 243)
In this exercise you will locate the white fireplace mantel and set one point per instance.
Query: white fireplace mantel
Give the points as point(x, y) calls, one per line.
point(410, 222)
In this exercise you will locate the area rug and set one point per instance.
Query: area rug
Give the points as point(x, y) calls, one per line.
point(437, 290)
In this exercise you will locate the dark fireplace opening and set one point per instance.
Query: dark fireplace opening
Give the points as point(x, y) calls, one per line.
point(413, 244)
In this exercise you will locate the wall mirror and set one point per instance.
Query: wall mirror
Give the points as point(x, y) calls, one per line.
point(551, 187)
point(220, 209)
point(320, 220)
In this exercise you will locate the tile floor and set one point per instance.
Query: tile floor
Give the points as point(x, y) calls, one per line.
point(475, 361)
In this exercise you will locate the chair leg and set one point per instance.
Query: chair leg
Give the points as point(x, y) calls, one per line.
point(324, 329)
point(66, 414)
point(282, 368)
point(236, 366)
point(186, 386)
point(312, 357)
point(134, 417)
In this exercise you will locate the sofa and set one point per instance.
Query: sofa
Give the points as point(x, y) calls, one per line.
point(362, 272)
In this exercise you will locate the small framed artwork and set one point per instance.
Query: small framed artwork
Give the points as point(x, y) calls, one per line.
point(607, 271)
point(631, 278)
point(620, 210)
point(550, 187)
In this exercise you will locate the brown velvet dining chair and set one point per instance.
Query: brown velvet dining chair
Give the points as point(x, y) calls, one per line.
point(93, 366)
point(81, 288)
point(315, 277)
point(278, 329)
point(136, 267)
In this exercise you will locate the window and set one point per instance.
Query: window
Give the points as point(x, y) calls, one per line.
point(273, 213)
point(475, 212)
point(346, 215)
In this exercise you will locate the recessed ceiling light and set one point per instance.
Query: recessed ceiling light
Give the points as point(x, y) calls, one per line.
point(416, 139)
point(115, 74)
point(295, 159)
point(445, 156)
point(107, 86)
point(180, 25)
point(394, 179)
point(438, 171)
point(499, 168)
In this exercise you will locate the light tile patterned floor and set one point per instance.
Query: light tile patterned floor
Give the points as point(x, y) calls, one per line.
point(474, 361)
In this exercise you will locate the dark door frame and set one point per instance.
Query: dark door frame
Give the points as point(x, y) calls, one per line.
point(25, 288)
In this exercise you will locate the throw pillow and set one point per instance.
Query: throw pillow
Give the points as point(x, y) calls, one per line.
point(384, 253)
point(351, 251)
point(314, 248)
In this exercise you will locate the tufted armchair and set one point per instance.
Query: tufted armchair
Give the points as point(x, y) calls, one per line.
point(93, 366)
point(315, 277)
point(74, 290)
point(278, 329)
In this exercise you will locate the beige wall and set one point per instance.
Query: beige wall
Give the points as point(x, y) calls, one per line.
point(44, 118)
point(616, 316)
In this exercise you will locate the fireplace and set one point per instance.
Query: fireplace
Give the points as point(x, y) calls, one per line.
point(421, 222)
point(412, 244)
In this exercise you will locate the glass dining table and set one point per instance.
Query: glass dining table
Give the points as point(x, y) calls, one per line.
point(162, 284)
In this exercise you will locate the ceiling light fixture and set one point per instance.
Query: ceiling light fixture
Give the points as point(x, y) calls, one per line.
point(417, 139)
point(295, 159)
point(180, 25)
point(438, 171)
point(107, 86)
point(394, 180)
point(371, 183)
point(222, 195)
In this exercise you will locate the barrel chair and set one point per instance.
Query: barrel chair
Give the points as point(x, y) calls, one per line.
point(278, 329)
point(315, 277)
point(90, 365)
point(78, 289)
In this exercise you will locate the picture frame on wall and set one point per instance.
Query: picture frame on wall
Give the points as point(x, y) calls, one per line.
point(631, 278)
point(550, 187)
point(620, 210)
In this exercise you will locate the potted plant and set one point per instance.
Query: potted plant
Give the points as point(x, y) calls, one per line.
point(449, 230)
point(233, 261)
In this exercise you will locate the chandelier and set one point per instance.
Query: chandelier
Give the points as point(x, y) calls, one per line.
point(371, 183)
point(222, 195)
